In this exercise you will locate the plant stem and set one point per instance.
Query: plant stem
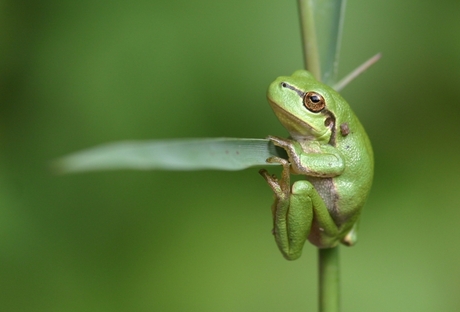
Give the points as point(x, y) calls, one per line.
point(309, 41)
point(321, 23)
point(321, 28)
point(329, 286)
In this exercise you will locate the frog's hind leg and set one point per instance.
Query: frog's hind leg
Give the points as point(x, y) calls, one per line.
point(352, 236)
point(292, 213)
point(323, 231)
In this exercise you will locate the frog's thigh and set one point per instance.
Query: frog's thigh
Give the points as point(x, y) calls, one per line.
point(292, 224)
point(305, 193)
point(300, 213)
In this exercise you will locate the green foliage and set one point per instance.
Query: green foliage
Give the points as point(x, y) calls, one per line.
point(190, 154)
point(322, 26)
point(80, 74)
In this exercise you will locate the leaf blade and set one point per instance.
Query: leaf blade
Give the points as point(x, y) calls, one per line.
point(178, 154)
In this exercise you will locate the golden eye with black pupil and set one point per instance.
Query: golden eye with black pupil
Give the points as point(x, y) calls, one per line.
point(314, 102)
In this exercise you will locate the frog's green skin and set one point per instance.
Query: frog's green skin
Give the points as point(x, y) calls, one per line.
point(332, 150)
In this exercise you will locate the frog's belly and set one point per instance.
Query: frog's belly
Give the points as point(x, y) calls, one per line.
point(327, 190)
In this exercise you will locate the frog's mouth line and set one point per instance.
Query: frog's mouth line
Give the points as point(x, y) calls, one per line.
point(285, 115)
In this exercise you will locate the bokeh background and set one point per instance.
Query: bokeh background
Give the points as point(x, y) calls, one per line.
point(74, 74)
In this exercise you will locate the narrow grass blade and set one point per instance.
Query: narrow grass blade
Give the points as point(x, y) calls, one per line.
point(358, 71)
point(177, 154)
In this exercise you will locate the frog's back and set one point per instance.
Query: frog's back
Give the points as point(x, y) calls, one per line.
point(354, 184)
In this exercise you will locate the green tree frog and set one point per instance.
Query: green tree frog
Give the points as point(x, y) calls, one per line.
point(328, 145)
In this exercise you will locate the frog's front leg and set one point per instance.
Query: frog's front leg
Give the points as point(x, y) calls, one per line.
point(293, 211)
point(325, 163)
point(292, 214)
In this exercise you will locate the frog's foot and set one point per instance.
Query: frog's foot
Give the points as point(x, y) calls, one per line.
point(292, 148)
point(281, 142)
point(281, 188)
point(352, 236)
point(273, 182)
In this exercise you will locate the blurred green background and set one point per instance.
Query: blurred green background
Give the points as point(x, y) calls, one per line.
point(74, 74)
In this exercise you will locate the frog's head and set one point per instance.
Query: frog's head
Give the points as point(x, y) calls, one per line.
point(306, 108)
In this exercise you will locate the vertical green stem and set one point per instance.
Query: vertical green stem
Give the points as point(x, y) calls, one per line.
point(329, 286)
point(309, 41)
point(321, 23)
point(321, 28)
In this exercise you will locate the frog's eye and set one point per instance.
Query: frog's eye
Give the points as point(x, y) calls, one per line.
point(314, 102)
